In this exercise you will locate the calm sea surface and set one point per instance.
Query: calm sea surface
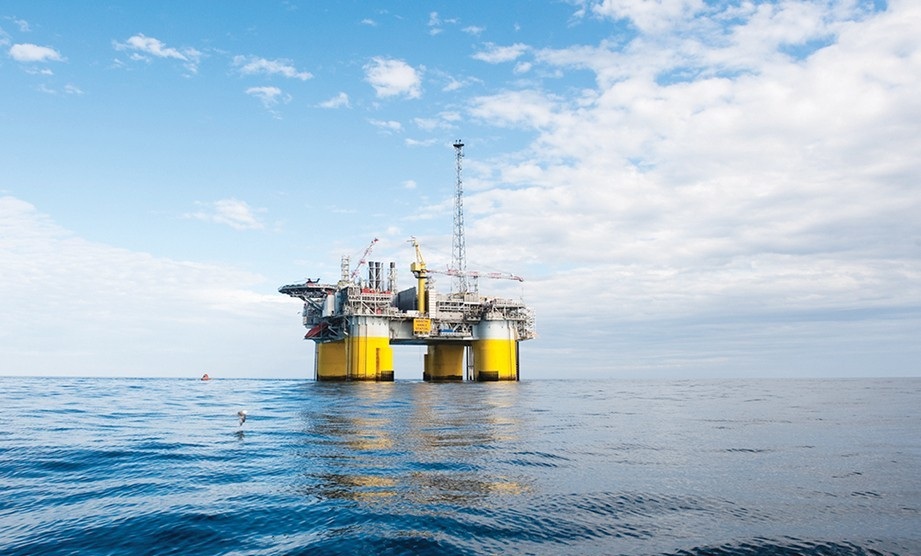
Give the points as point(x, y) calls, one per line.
point(161, 466)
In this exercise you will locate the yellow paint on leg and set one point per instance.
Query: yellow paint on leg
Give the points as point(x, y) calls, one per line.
point(444, 362)
point(331, 361)
point(370, 358)
point(495, 359)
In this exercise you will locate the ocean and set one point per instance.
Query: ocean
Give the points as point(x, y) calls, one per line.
point(112, 466)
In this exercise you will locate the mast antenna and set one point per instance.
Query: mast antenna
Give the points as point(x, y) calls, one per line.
point(458, 243)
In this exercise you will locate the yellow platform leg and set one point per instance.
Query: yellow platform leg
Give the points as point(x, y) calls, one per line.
point(444, 362)
point(369, 354)
point(330, 362)
point(495, 351)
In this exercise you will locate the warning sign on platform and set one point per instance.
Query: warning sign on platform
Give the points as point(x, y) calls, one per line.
point(422, 326)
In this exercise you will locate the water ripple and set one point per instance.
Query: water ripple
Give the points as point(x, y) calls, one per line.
point(124, 467)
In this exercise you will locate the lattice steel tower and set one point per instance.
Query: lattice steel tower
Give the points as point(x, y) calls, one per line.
point(458, 243)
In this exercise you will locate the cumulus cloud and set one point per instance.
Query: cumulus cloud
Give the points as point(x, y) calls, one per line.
point(721, 178)
point(142, 48)
point(391, 77)
point(390, 126)
point(495, 54)
point(651, 15)
point(27, 52)
point(339, 101)
point(152, 46)
point(453, 85)
point(253, 65)
point(529, 109)
point(523, 67)
point(270, 97)
point(231, 212)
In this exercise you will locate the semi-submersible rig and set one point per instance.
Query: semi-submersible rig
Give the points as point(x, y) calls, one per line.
point(354, 323)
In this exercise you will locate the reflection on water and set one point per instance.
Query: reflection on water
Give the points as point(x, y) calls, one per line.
point(124, 467)
point(354, 487)
point(367, 442)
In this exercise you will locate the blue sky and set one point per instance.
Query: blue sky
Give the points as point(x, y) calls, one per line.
point(690, 188)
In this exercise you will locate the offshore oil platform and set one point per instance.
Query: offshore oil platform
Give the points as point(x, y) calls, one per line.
point(355, 322)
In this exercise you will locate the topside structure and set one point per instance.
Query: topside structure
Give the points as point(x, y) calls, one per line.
point(355, 323)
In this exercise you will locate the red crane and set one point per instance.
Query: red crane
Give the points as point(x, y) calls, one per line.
point(363, 260)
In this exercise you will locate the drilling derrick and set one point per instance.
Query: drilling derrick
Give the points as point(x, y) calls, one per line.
point(355, 323)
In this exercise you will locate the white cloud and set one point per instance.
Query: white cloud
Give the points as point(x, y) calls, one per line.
point(69, 89)
point(269, 97)
point(141, 48)
point(453, 85)
point(516, 108)
point(39, 71)
point(781, 193)
point(231, 212)
point(441, 121)
point(497, 54)
point(152, 46)
point(421, 143)
point(651, 15)
point(252, 65)
point(390, 126)
point(22, 24)
point(473, 30)
point(410, 184)
point(434, 24)
point(456, 84)
point(339, 101)
point(428, 124)
point(28, 52)
point(391, 77)
point(77, 307)
point(369, 22)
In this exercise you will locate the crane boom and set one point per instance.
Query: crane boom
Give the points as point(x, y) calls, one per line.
point(362, 261)
point(476, 274)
